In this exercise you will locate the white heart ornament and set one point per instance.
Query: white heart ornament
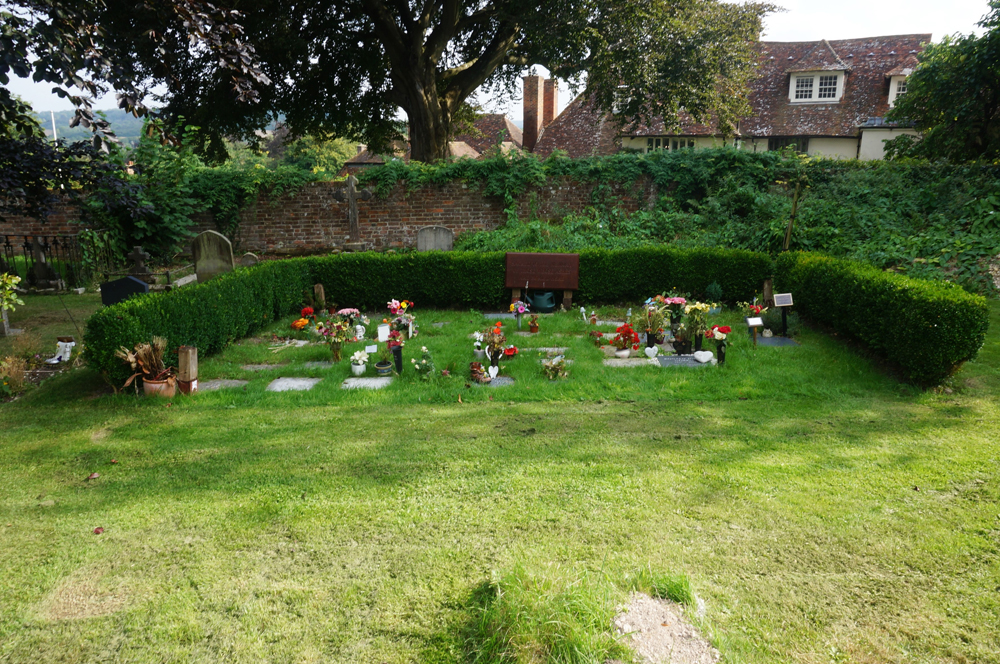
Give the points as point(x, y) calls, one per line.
point(703, 356)
point(495, 370)
point(651, 351)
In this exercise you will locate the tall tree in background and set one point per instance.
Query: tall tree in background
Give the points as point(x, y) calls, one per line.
point(953, 98)
point(346, 67)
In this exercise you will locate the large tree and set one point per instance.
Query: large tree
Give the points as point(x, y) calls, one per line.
point(953, 98)
point(347, 67)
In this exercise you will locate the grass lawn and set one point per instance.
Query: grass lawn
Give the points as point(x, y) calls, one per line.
point(820, 510)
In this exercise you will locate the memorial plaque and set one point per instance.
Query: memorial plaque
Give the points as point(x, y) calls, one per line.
point(543, 271)
point(113, 292)
point(782, 299)
point(755, 322)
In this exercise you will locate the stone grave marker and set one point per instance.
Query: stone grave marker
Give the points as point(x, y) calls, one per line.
point(138, 258)
point(366, 383)
point(249, 260)
point(113, 292)
point(435, 238)
point(350, 195)
point(42, 274)
point(220, 384)
point(292, 384)
point(213, 255)
point(5, 329)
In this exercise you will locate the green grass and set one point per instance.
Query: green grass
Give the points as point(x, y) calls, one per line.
point(822, 511)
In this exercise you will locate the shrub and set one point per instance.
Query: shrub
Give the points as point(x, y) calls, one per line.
point(928, 329)
point(635, 274)
point(210, 316)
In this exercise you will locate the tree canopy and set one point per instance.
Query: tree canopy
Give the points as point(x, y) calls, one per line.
point(953, 98)
point(346, 67)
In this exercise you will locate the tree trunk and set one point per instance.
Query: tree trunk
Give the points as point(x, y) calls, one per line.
point(428, 134)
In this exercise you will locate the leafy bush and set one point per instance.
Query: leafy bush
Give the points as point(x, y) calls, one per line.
point(210, 316)
point(927, 329)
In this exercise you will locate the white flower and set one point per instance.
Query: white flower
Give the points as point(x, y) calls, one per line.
point(423, 361)
point(412, 361)
point(423, 348)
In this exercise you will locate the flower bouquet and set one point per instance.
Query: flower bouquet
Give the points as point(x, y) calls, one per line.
point(395, 346)
point(682, 340)
point(357, 320)
point(697, 313)
point(555, 368)
point(403, 322)
point(477, 344)
point(719, 333)
point(626, 340)
point(425, 367)
point(650, 318)
point(336, 332)
point(494, 341)
point(518, 308)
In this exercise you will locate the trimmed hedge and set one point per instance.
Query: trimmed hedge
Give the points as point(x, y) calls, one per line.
point(926, 328)
point(630, 275)
point(210, 316)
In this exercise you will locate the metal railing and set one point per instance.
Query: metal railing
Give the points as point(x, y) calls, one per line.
point(52, 261)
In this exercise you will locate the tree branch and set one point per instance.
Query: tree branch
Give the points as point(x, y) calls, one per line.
point(443, 33)
point(463, 80)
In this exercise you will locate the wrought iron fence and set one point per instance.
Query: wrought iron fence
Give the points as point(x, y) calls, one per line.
point(55, 261)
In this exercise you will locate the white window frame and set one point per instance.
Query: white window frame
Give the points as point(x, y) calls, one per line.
point(814, 97)
point(894, 92)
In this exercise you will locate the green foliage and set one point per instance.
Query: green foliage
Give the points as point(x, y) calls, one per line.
point(927, 329)
point(953, 98)
point(210, 316)
point(8, 296)
point(316, 155)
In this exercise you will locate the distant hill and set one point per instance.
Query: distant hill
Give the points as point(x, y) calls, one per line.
point(127, 128)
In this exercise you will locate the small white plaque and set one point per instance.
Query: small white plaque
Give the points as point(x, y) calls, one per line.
point(755, 322)
point(782, 299)
point(371, 349)
point(383, 332)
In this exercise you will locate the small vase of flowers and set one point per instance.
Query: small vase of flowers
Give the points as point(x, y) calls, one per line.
point(533, 324)
point(359, 362)
point(395, 345)
point(626, 340)
point(719, 333)
point(518, 308)
point(493, 342)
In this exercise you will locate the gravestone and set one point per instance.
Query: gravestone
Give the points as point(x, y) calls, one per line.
point(213, 255)
point(138, 258)
point(5, 329)
point(249, 260)
point(42, 274)
point(113, 292)
point(350, 194)
point(435, 238)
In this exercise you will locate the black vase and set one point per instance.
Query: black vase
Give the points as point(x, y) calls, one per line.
point(697, 342)
point(650, 339)
point(721, 352)
point(397, 357)
point(682, 347)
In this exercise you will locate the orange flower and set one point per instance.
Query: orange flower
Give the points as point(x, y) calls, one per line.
point(300, 323)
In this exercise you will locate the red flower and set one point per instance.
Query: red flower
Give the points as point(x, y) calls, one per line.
point(635, 347)
point(307, 312)
point(725, 329)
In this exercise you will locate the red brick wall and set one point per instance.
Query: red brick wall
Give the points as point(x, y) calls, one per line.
point(58, 223)
point(311, 221)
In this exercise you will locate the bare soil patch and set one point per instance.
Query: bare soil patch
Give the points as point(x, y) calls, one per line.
point(79, 597)
point(660, 634)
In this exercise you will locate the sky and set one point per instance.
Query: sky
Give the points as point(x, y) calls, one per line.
point(803, 20)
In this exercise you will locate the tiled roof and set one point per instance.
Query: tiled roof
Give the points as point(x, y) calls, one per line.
point(866, 89)
point(495, 128)
point(582, 131)
point(460, 149)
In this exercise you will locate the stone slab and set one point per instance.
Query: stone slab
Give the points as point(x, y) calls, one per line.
point(318, 365)
point(435, 238)
point(547, 349)
point(366, 383)
point(680, 361)
point(184, 281)
point(221, 384)
point(261, 367)
point(507, 315)
point(616, 323)
point(499, 381)
point(292, 384)
point(213, 255)
point(631, 362)
point(776, 341)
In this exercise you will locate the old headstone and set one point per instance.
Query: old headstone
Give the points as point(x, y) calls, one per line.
point(350, 195)
point(249, 260)
point(138, 258)
point(113, 292)
point(42, 274)
point(319, 296)
point(5, 329)
point(213, 255)
point(435, 238)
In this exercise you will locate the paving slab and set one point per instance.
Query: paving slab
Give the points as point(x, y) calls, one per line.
point(616, 323)
point(366, 383)
point(776, 341)
point(630, 362)
point(548, 349)
point(441, 324)
point(681, 361)
point(499, 381)
point(261, 367)
point(500, 315)
point(292, 384)
point(318, 365)
point(220, 384)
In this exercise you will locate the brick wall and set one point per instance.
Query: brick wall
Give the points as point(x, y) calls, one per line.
point(312, 221)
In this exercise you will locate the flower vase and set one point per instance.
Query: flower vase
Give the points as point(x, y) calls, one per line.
point(697, 342)
point(383, 368)
point(357, 369)
point(623, 353)
point(337, 348)
point(479, 353)
point(650, 339)
point(682, 347)
point(397, 358)
point(519, 321)
point(720, 352)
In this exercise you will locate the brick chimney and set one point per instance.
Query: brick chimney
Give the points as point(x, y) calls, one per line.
point(534, 96)
point(551, 104)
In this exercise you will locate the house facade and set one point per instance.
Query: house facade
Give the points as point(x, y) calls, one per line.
point(825, 98)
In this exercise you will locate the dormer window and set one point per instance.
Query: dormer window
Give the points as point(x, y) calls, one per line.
point(817, 87)
point(897, 88)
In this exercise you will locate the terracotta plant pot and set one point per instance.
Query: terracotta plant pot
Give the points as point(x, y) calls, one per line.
point(161, 388)
point(533, 328)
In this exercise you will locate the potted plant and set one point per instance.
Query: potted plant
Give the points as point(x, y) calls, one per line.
point(384, 365)
point(357, 320)
point(719, 333)
point(425, 367)
point(146, 360)
point(533, 324)
point(477, 344)
point(359, 362)
point(395, 345)
point(555, 368)
point(518, 308)
point(650, 319)
point(697, 313)
point(626, 340)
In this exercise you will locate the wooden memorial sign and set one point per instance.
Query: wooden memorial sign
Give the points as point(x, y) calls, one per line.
point(543, 272)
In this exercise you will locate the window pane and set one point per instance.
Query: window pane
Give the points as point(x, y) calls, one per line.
point(828, 87)
point(804, 87)
point(900, 88)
